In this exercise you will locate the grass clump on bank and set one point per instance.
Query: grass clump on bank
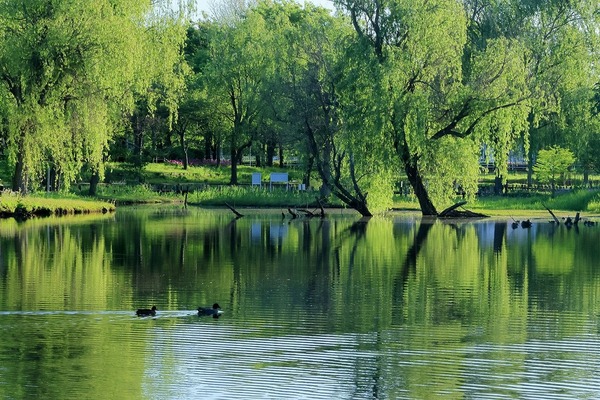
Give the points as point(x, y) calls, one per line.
point(129, 194)
point(12, 204)
point(580, 200)
point(238, 196)
point(577, 201)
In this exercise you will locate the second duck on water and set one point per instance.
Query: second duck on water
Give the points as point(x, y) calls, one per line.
point(145, 312)
point(215, 311)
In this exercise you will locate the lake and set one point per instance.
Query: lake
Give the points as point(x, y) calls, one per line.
point(395, 307)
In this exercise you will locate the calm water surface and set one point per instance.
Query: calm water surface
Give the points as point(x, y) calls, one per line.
point(342, 308)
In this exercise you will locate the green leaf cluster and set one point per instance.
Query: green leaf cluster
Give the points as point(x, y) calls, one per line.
point(553, 163)
point(70, 71)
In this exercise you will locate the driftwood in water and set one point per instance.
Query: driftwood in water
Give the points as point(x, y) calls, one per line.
point(551, 213)
point(237, 214)
point(294, 215)
point(452, 212)
point(308, 213)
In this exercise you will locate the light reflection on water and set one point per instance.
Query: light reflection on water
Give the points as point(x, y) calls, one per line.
point(387, 309)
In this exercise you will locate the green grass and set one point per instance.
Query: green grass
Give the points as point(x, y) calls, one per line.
point(238, 196)
point(159, 173)
point(585, 201)
point(580, 200)
point(52, 204)
point(125, 194)
point(210, 185)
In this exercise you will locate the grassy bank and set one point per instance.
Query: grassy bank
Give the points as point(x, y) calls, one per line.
point(44, 205)
point(254, 197)
point(208, 187)
point(579, 200)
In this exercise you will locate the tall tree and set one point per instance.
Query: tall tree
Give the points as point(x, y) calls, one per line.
point(441, 96)
point(553, 163)
point(312, 94)
point(239, 61)
point(561, 38)
point(69, 70)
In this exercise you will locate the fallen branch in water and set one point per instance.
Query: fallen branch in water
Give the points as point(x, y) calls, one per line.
point(551, 213)
point(237, 214)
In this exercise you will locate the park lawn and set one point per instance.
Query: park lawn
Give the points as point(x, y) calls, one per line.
point(217, 192)
point(167, 173)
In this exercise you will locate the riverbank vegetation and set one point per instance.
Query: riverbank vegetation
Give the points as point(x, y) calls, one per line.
point(208, 186)
point(14, 205)
point(379, 104)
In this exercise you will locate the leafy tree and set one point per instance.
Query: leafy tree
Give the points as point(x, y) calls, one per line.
point(69, 71)
point(561, 38)
point(596, 100)
point(581, 129)
point(553, 163)
point(234, 77)
point(441, 94)
point(313, 96)
point(193, 114)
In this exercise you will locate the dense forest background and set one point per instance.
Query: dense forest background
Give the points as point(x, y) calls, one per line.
point(360, 97)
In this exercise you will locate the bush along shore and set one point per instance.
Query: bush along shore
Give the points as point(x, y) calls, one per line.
point(22, 207)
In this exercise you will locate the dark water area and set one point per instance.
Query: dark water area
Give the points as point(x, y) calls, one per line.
point(394, 307)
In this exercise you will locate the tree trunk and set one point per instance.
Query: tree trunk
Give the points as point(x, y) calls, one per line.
point(280, 156)
point(530, 168)
point(270, 153)
point(138, 140)
point(412, 170)
point(94, 180)
point(416, 181)
point(362, 208)
point(331, 181)
point(184, 148)
point(18, 181)
point(208, 148)
point(308, 170)
point(234, 163)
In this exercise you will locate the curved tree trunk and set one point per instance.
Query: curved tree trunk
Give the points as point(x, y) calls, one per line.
point(416, 181)
point(329, 168)
point(413, 174)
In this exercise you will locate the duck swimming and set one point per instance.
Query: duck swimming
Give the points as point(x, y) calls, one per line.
point(145, 312)
point(215, 311)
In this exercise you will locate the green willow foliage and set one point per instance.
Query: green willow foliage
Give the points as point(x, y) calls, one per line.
point(394, 89)
point(553, 163)
point(69, 72)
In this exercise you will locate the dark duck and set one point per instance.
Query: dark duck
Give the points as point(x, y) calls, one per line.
point(215, 311)
point(146, 312)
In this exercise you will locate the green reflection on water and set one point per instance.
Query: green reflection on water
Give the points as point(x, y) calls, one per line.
point(436, 301)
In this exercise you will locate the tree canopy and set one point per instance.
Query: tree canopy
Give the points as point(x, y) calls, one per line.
point(70, 71)
point(371, 95)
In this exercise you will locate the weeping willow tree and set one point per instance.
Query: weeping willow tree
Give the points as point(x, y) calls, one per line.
point(561, 38)
point(441, 96)
point(69, 72)
point(313, 85)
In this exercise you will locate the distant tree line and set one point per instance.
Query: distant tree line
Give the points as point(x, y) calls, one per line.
point(371, 94)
